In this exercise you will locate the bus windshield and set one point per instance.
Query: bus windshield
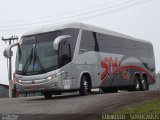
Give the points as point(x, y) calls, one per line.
point(37, 55)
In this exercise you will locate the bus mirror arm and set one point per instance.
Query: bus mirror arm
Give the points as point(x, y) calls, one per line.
point(8, 52)
point(58, 40)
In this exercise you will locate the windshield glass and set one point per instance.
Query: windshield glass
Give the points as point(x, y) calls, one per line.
point(36, 55)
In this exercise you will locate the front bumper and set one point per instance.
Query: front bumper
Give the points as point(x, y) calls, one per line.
point(32, 86)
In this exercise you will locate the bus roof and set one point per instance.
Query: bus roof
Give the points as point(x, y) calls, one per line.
point(82, 26)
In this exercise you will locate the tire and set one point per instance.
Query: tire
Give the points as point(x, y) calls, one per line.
point(84, 86)
point(137, 84)
point(48, 95)
point(110, 90)
point(144, 83)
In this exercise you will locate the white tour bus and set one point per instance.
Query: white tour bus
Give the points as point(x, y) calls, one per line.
point(79, 57)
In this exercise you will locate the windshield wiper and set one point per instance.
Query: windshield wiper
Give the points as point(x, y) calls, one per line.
point(36, 58)
point(33, 56)
point(29, 60)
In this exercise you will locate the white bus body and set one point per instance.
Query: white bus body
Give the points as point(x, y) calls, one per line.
point(78, 56)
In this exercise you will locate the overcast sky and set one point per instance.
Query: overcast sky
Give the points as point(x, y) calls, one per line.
point(136, 18)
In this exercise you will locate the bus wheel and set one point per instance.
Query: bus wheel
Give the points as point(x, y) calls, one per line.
point(145, 85)
point(84, 87)
point(47, 94)
point(137, 84)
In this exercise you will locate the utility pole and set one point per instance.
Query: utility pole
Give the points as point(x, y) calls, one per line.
point(10, 40)
point(158, 77)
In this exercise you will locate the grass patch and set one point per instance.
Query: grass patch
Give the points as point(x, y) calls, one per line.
point(149, 107)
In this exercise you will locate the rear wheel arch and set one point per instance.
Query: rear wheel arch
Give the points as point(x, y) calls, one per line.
point(87, 74)
point(137, 74)
point(144, 75)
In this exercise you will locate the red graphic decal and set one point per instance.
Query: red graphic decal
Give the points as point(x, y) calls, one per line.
point(140, 69)
point(105, 64)
point(112, 67)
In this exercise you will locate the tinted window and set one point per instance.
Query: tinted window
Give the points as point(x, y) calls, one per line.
point(47, 37)
point(150, 50)
point(72, 41)
point(65, 53)
point(87, 41)
point(39, 38)
point(50, 36)
point(110, 44)
point(104, 43)
point(117, 45)
point(92, 41)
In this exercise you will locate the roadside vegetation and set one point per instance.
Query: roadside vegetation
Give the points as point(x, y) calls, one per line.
point(149, 107)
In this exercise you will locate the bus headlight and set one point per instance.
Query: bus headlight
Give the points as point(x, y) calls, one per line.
point(52, 76)
point(49, 78)
point(20, 81)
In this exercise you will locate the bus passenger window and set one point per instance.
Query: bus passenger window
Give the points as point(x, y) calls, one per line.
point(87, 41)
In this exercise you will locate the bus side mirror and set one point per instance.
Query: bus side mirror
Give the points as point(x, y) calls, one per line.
point(58, 40)
point(8, 52)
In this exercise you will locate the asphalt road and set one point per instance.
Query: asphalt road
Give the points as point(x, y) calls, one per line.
point(71, 105)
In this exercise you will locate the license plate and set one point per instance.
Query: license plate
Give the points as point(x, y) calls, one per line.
point(33, 88)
